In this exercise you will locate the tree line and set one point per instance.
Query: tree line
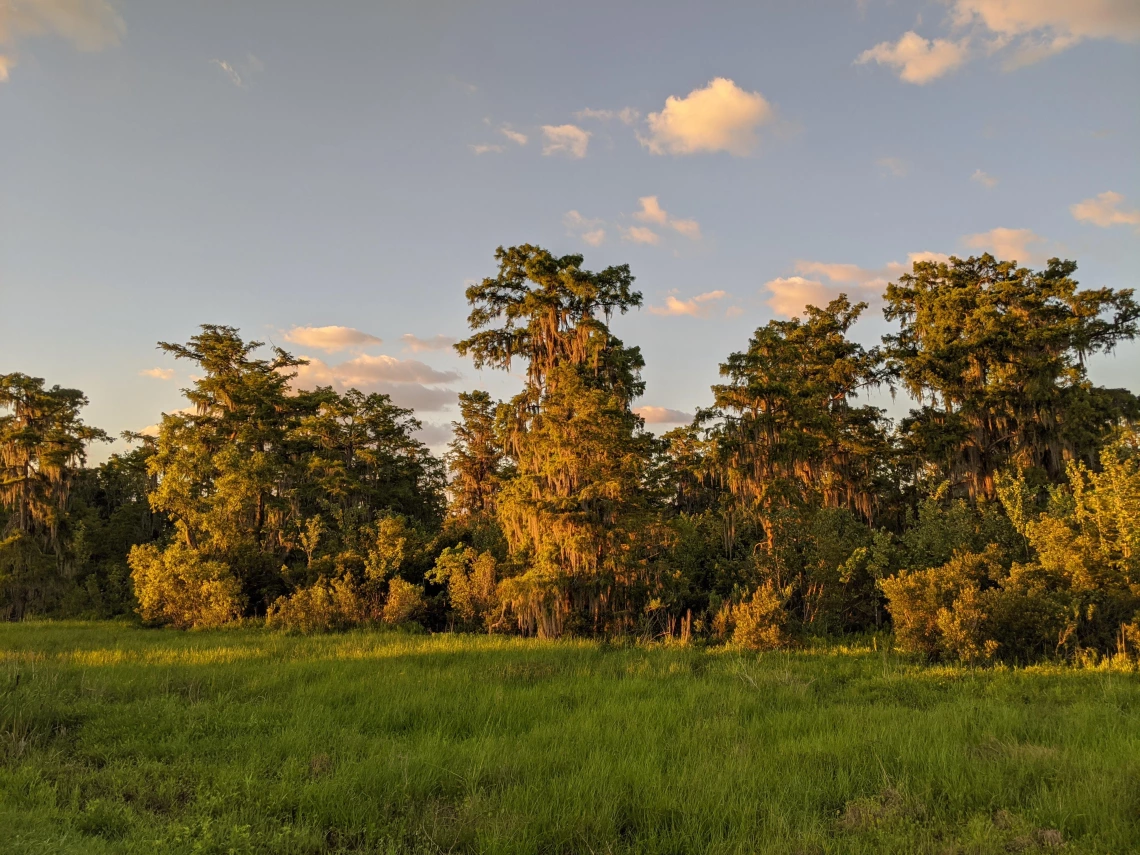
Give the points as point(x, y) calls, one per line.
point(998, 520)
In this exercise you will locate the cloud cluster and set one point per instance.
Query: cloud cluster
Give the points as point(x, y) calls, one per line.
point(719, 117)
point(331, 339)
point(514, 136)
point(1008, 245)
point(569, 140)
point(593, 230)
point(696, 307)
point(652, 212)
point(587, 229)
point(437, 342)
point(1022, 31)
point(789, 295)
point(663, 416)
point(90, 25)
point(409, 382)
point(158, 373)
point(1105, 210)
point(917, 60)
point(1036, 29)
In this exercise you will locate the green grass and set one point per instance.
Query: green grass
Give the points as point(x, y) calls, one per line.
point(120, 739)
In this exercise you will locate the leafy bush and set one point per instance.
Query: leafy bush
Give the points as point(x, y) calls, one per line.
point(470, 579)
point(760, 619)
point(405, 601)
point(1079, 590)
point(321, 607)
point(179, 587)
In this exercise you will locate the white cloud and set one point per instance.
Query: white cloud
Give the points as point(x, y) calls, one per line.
point(408, 381)
point(513, 136)
point(417, 345)
point(1036, 29)
point(689, 228)
point(1023, 31)
point(640, 234)
point(588, 229)
point(366, 369)
point(158, 373)
point(695, 307)
point(663, 415)
point(734, 311)
point(984, 179)
point(565, 139)
point(486, 149)
point(627, 115)
point(1105, 210)
point(789, 295)
point(917, 60)
point(90, 25)
point(331, 339)
point(1007, 244)
point(652, 212)
point(720, 117)
point(894, 165)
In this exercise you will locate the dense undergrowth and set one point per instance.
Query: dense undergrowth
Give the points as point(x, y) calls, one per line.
point(115, 738)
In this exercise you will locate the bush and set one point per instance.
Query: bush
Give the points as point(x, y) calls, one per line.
point(760, 620)
point(470, 580)
point(405, 601)
point(322, 607)
point(177, 586)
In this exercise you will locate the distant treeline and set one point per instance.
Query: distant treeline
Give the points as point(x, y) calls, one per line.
point(1000, 519)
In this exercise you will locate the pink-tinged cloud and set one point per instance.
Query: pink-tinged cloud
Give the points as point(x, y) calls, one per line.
point(331, 339)
point(697, 307)
point(719, 117)
point(663, 416)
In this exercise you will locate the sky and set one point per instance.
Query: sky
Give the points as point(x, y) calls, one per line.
point(329, 177)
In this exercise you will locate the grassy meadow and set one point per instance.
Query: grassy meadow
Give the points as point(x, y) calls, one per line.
point(115, 738)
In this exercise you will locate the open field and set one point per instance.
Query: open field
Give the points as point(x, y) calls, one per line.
point(119, 739)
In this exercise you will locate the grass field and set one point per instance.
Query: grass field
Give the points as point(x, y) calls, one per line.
point(120, 739)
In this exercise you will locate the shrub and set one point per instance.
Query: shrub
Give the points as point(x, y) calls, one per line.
point(760, 620)
point(470, 580)
point(178, 586)
point(404, 602)
point(321, 607)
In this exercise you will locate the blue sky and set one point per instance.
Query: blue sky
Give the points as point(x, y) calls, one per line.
point(284, 167)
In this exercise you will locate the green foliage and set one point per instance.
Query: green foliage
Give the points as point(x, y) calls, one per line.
point(575, 510)
point(1078, 591)
point(179, 586)
point(43, 446)
point(282, 486)
point(471, 585)
point(788, 510)
point(791, 432)
point(323, 606)
point(405, 602)
point(996, 355)
point(759, 620)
